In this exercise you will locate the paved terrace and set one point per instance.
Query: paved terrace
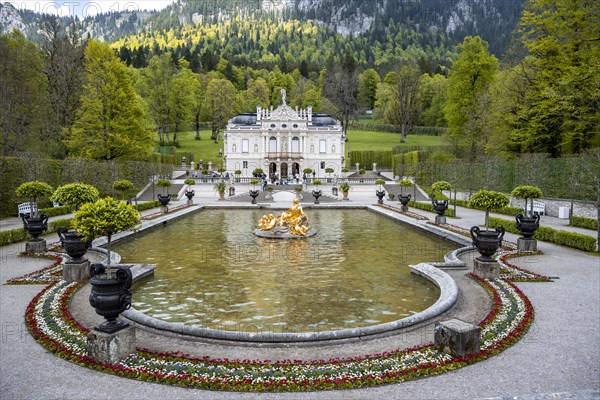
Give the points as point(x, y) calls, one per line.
point(558, 358)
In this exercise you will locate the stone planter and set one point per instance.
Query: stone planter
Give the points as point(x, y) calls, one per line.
point(404, 200)
point(190, 194)
point(35, 226)
point(487, 242)
point(73, 244)
point(316, 194)
point(527, 226)
point(164, 200)
point(380, 194)
point(110, 297)
point(440, 206)
point(345, 195)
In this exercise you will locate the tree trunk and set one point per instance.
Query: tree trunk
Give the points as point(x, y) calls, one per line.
point(197, 125)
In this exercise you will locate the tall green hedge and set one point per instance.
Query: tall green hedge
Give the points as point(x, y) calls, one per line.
point(101, 174)
point(367, 158)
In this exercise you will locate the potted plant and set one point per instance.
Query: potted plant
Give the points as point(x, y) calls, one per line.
point(220, 187)
point(404, 200)
point(345, 172)
point(257, 172)
point(380, 191)
point(345, 188)
point(164, 184)
point(269, 194)
point(391, 196)
point(528, 222)
point(317, 192)
point(35, 223)
point(110, 295)
point(329, 171)
point(487, 242)
point(254, 192)
point(438, 188)
point(75, 195)
point(189, 193)
point(298, 191)
point(237, 174)
point(123, 186)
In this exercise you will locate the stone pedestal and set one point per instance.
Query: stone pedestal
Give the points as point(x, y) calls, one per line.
point(404, 208)
point(190, 202)
point(486, 269)
point(440, 219)
point(76, 272)
point(457, 338)
point(164, 209)
point(526, 244)
point(111, 348)
point(37, 246)
point(379, 201)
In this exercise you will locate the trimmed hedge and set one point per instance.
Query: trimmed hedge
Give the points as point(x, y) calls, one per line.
point(147, 205)
point(366, 158)
point(429, 207)
point(21, 235)
point(54, 211)
point(564, 238)
point(582, 222)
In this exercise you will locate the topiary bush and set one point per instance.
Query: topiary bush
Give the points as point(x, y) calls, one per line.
point(76, 194)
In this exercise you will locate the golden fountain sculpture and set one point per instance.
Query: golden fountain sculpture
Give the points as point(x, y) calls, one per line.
point(294, 222)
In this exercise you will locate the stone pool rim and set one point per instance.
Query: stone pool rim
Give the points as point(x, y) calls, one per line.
point(445, 283)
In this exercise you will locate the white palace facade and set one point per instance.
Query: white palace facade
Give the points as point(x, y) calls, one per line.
point(283, 142)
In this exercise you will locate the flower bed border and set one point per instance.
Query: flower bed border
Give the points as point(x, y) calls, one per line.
point(51, 324)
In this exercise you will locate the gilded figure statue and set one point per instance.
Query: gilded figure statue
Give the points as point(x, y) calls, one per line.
point(294, 220)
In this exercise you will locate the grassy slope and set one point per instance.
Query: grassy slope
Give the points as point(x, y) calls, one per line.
point(206, 150)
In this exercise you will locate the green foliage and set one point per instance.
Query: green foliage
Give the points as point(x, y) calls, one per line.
point(147, 205)
point(34, 190)
point(220, 186)
point(237, 172)
point(253, 181)
point(441, 185)
point(488, 200)
point(582, 222)
point(105, 217)
point(307, 171)
point(258, 171)
point(164, 183)
point(560, 96)
point(344, 187)
point(544, 233)
point(508, 210)
point(316, 182)
point(361, 171)
point(329, 170)
point(54, 211)
point(383, 159)
point(123, 185)
point(220, 104)
point(405, 183)
point(379, 182)
point(112, 123)
point(76, 194)
point(189, 182)
point(345, 169)
point(526, 192)
point(471, 74)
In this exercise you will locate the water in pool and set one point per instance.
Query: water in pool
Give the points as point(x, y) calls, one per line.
point(213, 272)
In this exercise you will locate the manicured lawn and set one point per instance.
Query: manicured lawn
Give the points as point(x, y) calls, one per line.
point(366, 140)
point(206, 150)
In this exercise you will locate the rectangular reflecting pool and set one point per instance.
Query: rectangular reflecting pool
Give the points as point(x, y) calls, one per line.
point(214, 272)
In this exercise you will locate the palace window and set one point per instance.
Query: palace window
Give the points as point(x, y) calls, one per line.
point(273, 144)
point(322, 146)
point(245, 146)
point(295, 145)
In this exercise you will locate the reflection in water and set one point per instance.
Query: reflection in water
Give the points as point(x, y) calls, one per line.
point(213, 272)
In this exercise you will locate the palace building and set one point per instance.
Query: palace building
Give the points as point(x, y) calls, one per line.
point(283, 142)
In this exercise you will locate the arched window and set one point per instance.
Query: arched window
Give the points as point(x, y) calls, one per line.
point(234, 148)
point(295, 145)
point(272, 144)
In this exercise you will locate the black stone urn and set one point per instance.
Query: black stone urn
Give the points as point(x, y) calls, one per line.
point(110, 296)
point(254, 195)
point(35, 226)
point(527, 225)
point(190, 194)
point(316, 194)
point(440, 206)
point(164, 200)
point(487, 242)
point(404, 199)
point(380, 194)
point(74, 244)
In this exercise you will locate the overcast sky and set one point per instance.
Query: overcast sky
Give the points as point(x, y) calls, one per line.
point(84, 8)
